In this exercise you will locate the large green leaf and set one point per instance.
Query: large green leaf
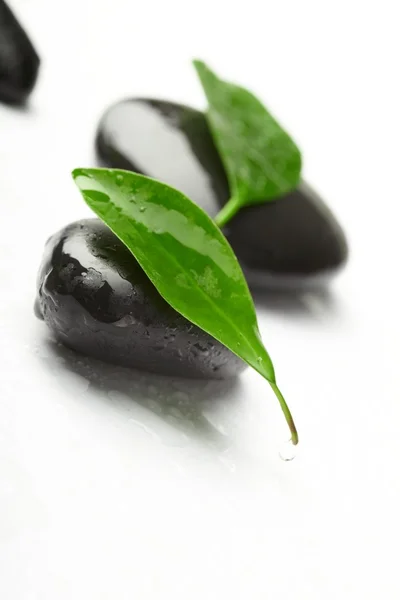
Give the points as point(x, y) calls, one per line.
point(186, 257)
point(261, 160)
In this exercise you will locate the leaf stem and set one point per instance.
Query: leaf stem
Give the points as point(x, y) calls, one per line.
point(286, 412)
point(228, 211)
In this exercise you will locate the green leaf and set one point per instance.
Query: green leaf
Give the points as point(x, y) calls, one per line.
point(261, 160)
point(186, 257)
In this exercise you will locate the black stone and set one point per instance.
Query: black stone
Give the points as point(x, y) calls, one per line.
point(19, 62)
point(97, 300)
point(292, 242)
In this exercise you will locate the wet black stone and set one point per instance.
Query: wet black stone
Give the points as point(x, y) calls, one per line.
point(97, 300)
point(19, 62)
point(292, 242)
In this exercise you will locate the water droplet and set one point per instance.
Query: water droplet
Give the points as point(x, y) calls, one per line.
point(125, 321)
point(169, 336)
point(228, 463)
point(259, 360)
point(41, 351)
point(145, 428)
point(175, 412)
point(142, 209)
point(154, 406)
point(199, 348)
point(180, 396)
point(288, 451)
point(119, 179)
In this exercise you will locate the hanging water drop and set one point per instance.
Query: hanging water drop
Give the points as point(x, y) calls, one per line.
point(288, 451)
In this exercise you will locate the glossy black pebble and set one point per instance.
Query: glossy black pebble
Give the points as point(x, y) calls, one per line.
point(97, 300)
point(293, 242)
point(19, 62)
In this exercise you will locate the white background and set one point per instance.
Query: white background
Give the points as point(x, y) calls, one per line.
point(115, 485)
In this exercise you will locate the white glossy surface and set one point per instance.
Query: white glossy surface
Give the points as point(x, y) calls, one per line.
point(115, 485)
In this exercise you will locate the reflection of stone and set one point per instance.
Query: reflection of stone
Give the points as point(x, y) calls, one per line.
point(170, 410)
point(19, 63)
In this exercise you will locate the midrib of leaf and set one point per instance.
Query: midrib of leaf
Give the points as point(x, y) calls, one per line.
point(270, 171)
point(273, 175)
point(213, 305)
point(216, 308)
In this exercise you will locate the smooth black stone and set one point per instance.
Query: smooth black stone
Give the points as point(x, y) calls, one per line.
point(19, 62)
point(292, 242)
point(97, 300)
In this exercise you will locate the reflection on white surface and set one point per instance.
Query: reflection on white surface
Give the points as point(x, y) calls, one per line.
point(167, 409)
point(154, 479)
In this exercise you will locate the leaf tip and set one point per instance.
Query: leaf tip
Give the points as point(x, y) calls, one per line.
point(198, 64)
point(201, 67)
point(78, 172)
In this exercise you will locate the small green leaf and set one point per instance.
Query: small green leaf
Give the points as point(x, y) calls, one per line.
point(261, 160)
point(186, 257)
